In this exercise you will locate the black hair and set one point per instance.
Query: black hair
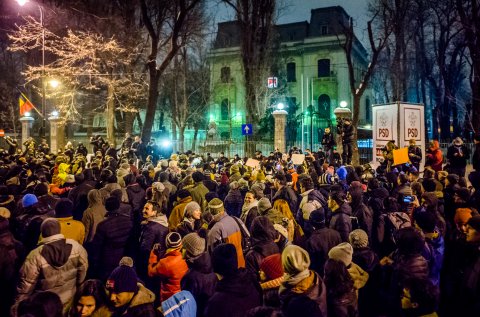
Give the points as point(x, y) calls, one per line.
point(337, 279)
point(423, 293)
point(92, 288)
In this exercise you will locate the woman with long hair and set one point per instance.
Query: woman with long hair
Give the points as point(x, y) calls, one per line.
point(341, 295)
point(282, 206)
point(90, 300)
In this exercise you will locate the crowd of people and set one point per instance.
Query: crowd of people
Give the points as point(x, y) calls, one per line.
point(196, 235)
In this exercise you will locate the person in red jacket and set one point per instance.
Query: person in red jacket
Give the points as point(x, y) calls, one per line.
point(171, 268)
point(434, 157)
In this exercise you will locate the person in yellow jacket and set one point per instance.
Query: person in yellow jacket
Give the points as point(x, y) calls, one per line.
point(70, 228)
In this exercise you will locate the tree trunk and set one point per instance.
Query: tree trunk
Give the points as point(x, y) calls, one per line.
point(194, 140)
point(128, 121)
point(181, 138)
point(111, 117)
point(174, 137)
point(151, 105)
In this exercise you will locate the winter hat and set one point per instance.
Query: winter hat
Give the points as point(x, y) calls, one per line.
point(173, 240)
point(474, 222)
point(426, 220)
point(194, 243)
point(234, 169)
point(325, 179)
point(262, 229)
point(272, 266)
point(258, 189)
point(123, 278)
point(112, 203)
point(242, 183)
point(159, 187)
point(342, 252)
point(224, 259)
point(453, 179)
point(50, 227)
point(183, 193)
point(197, 177)
point(317, 218)
point(29, 200)
point(63, 208)
point(462, 215)
point(342, 173)
point(441, 175)
point(263, 205)
point(216, 206)
point(190, 208)
point(281, 229)
point(234, 185)
point(4, 213)
point(463, 193)
point(295, 260)
point(358, 239)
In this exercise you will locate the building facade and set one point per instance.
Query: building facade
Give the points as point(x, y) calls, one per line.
point(312, 79)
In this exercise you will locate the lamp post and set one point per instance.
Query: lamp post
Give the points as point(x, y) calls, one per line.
point(22, 3)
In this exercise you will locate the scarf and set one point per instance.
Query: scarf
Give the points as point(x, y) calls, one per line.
point(246, 208)
point(291, 281)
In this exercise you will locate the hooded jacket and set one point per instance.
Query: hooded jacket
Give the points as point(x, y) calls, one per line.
point(341, 221)
point(200, 280)
point(434, 158)
point(361, 212)
point(233, 202)
point(234, 295)
point(198, 193)
point(178, 212)
point(58, 265)
point(263, 233)
point(318, 246)
point(141, 305)
point(136, 197)
point(171, 269)
point(153, 230)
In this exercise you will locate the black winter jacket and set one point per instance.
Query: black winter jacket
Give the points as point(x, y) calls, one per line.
point(341, 221)
point(318, 245)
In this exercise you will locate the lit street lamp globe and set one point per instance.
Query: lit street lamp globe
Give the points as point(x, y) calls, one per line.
point(343, 104)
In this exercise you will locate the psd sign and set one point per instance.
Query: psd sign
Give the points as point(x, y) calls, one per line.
point(399, 122)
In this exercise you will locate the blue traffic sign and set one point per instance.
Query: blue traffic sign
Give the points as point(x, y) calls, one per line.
point(247, 129)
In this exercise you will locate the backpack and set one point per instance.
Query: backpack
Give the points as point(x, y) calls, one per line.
point(399, 220)
point(246, 240)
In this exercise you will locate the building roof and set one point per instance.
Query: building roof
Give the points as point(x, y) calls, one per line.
point(326, 21)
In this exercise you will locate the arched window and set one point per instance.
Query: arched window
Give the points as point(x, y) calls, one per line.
point(368, 115)
point(324, 106)
point(224, 109)
point(323, 67)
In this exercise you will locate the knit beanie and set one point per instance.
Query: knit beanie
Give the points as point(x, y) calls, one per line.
point(123, 278)
point(224, 259)
point(63, 208)
point(426, 220)
point(159, 187)
point(342, 173)
point(29, 200)
point(190, 208)
point(50, 227)
point(263, 205)
point(194, 244)
point(295, 260)
point(317, 218)
point(216, 206)
point(272, 266)
point(342, 253)
point(358, 239)
point(234, 185)
point(5, 213)
point(112, 203)
point(258, 189)
point(462, 215)
point(173, 240)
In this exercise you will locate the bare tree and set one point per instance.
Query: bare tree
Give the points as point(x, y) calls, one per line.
point(469, 12)
point(377, 43)
point(169, 24)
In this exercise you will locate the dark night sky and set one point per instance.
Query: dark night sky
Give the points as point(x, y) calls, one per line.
point(299, 10)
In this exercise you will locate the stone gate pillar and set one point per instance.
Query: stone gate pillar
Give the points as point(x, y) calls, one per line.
point(27, 122)
point(57, 137)
point(280, 117)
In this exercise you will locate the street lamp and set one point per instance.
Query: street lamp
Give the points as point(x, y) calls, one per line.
point(22, 3)
point(343, 104)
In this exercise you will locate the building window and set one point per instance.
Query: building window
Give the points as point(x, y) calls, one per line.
point(323, 68)
point(291, 69)
point(324, 106)
point(225, 74)
point(224, 109)
point(324, 30)
point(367, 110)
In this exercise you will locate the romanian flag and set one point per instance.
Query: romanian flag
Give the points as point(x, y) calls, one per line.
point(25, 105)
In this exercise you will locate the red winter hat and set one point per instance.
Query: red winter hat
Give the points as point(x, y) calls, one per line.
point(272, 266)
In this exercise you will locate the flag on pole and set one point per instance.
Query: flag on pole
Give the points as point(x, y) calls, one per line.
point(25, 105)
